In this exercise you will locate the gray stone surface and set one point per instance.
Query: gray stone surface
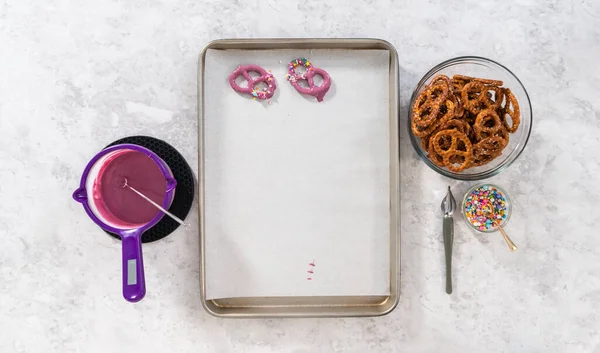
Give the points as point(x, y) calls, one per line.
point(76, 75)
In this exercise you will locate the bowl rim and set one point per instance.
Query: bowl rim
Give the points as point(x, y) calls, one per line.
point(506, 197)
point(447, 173)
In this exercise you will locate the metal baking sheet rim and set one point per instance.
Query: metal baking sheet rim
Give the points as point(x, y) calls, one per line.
point(346, 306)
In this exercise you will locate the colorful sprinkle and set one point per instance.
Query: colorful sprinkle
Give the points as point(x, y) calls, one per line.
point(292, 75)
point(480, 199)
point(290, 78)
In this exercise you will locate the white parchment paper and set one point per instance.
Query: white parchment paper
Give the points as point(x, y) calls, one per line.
point(296, 182)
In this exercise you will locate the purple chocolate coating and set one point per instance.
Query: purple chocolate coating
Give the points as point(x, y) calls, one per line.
point(266, 77)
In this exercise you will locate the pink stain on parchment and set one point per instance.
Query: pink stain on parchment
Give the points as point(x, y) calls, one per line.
point(311, 270)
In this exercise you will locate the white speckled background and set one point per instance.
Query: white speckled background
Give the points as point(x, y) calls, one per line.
point(76, 75)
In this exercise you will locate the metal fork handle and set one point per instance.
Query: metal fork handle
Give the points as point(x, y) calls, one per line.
point(448, 232)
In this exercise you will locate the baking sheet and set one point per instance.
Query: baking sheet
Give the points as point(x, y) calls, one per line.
point(298, 182)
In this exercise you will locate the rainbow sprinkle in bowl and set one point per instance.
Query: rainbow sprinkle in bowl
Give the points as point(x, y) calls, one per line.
point(483, 195)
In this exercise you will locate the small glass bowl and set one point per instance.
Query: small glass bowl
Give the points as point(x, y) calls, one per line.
point(484, 68)
point(508, 208)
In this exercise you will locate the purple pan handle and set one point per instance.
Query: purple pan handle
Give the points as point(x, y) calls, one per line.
point(134, 282)
point(80, 195)
point(171, 184)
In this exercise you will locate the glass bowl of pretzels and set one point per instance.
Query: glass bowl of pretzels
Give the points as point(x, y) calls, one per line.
point(469, 118)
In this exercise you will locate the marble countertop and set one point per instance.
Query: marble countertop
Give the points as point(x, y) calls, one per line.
point(76, 75)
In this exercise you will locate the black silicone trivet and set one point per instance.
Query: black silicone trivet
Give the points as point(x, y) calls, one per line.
point(184, 191)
